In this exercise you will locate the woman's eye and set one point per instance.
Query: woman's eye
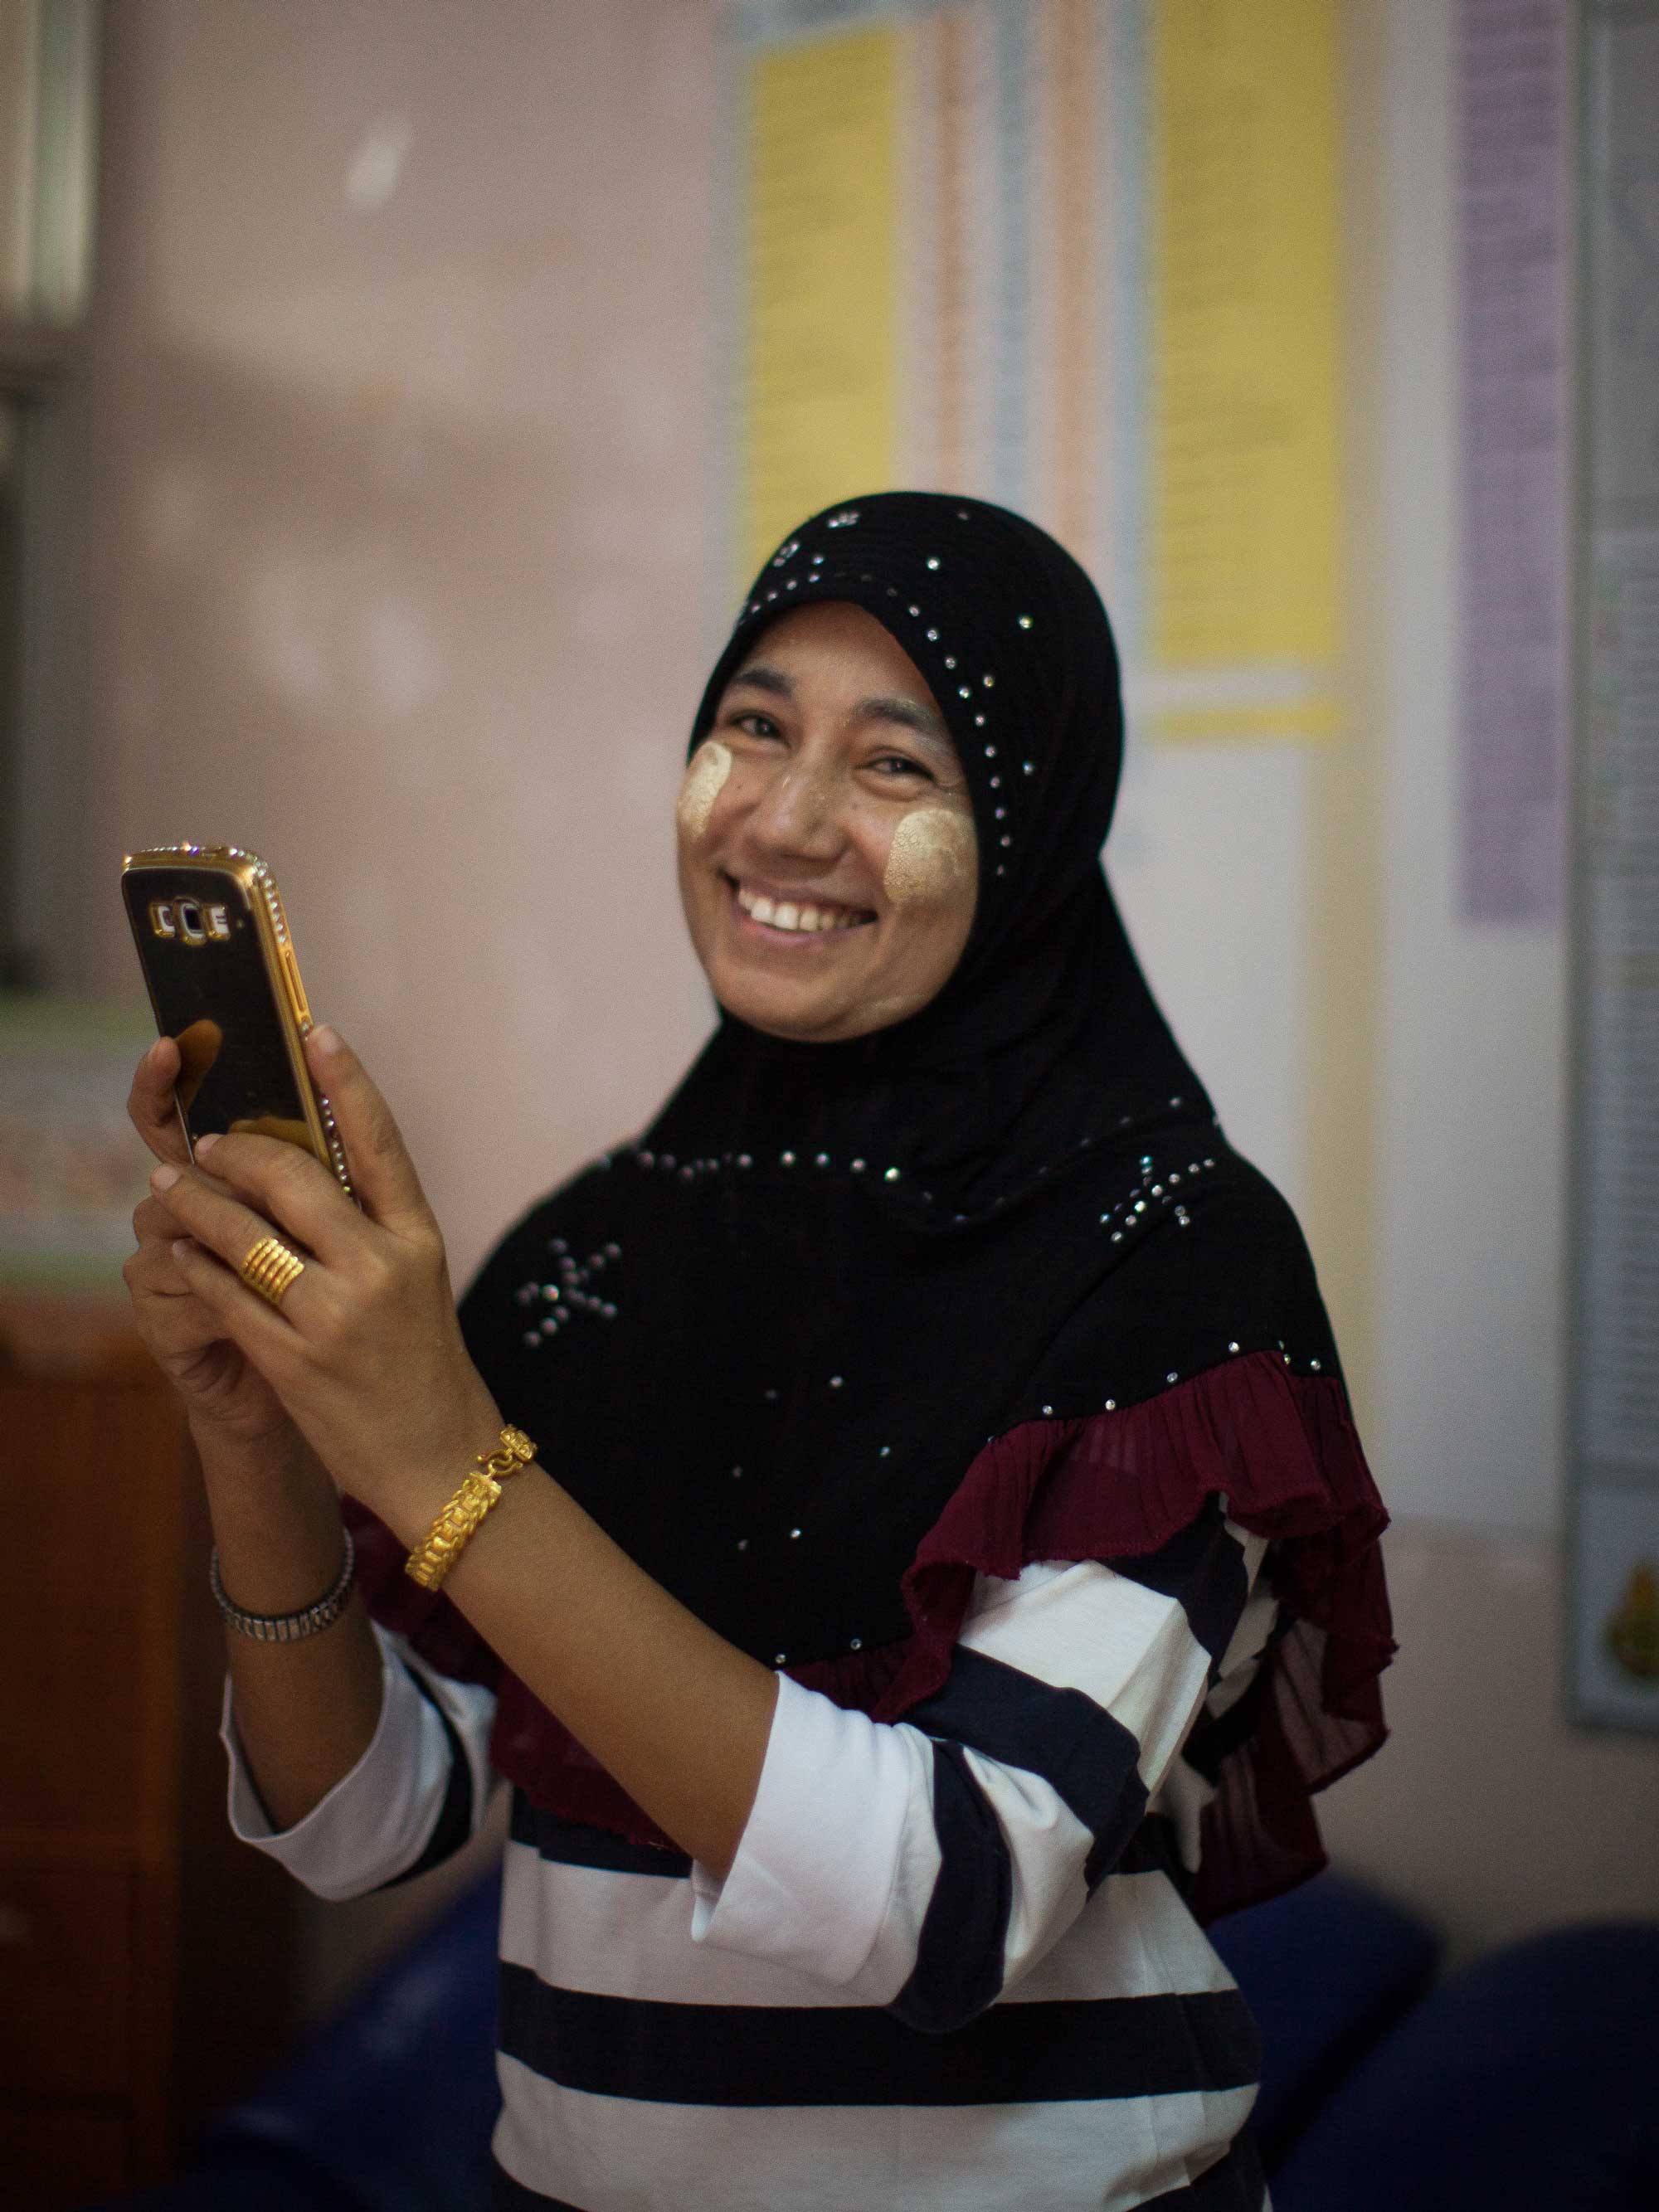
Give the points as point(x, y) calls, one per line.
point(893, 765)
point(754, 724)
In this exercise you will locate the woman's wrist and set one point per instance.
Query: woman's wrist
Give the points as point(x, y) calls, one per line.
point(411, 1501)
point(276, 1517)
point(279, 1453)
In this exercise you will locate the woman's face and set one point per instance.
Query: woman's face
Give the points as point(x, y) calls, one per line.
point(828, 860)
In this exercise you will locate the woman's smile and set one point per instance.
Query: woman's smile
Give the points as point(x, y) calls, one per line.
point(771, 914)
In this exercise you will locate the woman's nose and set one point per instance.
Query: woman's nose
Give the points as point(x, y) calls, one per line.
point(799, 810)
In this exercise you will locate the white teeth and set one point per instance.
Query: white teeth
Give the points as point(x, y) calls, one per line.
point(786, 914)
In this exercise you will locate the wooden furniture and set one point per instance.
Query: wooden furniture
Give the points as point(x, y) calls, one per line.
point(143, 1954)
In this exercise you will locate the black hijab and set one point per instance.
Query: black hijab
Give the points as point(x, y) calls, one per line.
point(852, 1321)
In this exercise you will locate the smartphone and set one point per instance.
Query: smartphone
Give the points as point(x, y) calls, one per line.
point(218, 961)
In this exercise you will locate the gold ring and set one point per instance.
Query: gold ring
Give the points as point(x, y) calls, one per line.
point(271, 1269)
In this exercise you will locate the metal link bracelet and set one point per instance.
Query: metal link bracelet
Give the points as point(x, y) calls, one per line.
point(457, 1525)
point(287, 1627)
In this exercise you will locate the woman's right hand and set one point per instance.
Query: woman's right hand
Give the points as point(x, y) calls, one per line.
point(216, 1383)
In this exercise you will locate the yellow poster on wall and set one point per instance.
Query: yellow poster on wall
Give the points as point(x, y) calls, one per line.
point(819, 255)
point(1243, 468)
point(1079, 257)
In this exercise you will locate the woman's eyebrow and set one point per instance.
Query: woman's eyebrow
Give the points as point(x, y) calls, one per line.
point(908, 713)
point(765, 679)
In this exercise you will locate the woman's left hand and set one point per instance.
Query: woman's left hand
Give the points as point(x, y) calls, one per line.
point(365, 1351)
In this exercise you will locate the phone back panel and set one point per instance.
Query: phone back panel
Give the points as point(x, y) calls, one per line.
point(211, 989)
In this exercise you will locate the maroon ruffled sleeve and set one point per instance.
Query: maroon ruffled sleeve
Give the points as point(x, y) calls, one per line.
point(1281, 1450)
point(1278, 1447)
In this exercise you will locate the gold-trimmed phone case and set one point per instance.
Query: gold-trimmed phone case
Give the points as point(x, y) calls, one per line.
point(185, 901)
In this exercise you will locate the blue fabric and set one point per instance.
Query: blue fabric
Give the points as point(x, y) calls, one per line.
point(388, 2109)
point(246, 2177)
point(1327, 1969)
point(1530, 2079)
point(397, 2097)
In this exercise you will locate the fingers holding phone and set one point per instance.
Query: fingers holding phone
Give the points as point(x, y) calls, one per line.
point(187, 1343)
point(223, 981)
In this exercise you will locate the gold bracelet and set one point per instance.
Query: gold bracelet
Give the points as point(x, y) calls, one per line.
point(479, 1493)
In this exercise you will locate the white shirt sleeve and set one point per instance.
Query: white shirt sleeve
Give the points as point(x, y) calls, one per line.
point(417, 1793)
point(983, 1819)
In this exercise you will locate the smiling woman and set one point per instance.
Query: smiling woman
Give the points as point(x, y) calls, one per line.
point(949, 1569)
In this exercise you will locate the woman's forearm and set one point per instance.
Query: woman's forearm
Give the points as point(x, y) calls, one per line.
point(676, 1714)
point(679, 1717)
point(305, 1711)
point(366, 1357)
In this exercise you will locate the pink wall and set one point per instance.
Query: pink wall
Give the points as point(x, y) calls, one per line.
point(399, 393)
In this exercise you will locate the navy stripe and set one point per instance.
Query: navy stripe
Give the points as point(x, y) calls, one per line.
point(454, 1823)
point(1154, 1848)
point(959, 1953)
point(1203, 1567)
point(572, 1843)
point(1235, 2182)
point(782, 2055)
point(1215, 1735)
point(1114, 1838)
point(1063, 1735)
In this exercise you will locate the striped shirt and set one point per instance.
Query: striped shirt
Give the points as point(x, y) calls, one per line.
point(952, 1965)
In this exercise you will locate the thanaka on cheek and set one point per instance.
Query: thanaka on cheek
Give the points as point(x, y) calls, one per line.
point(705, 780)
point(933, 853)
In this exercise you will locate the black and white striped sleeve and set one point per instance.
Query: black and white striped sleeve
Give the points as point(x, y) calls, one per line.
point(416, 1794)
point(928, 1865)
